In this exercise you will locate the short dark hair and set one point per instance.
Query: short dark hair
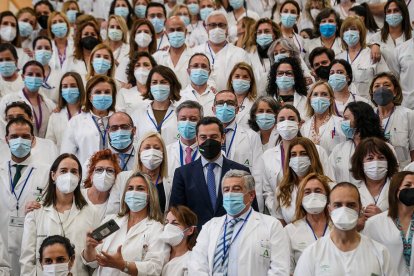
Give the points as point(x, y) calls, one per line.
point(156, 5)
point(57, 239)
point(130, 19)
point(347, 67)
point(346, 185)
point(325, 13)
point(362, 10)
point(9, 47)
point(208, 120)
point(320, 51)
point(40, 37)
point(199, 54)
point(44, 2)
point(190, 104)
point(19, 121)
point(274, 105)
point(26, 108)
point(34, 63)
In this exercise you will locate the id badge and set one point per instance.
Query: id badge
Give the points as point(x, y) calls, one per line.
point(16, 221)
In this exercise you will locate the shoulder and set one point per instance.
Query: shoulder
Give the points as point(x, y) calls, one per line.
point(234, 165)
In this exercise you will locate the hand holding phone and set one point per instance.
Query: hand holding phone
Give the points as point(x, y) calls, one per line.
point(105, 230)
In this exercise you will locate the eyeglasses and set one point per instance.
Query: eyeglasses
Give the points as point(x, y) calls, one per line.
point(231, 103)
point(215, 25)
point(101, 170)
point(116, 127)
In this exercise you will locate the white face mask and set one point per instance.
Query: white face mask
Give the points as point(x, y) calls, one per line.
point(300, 165)
point(151, 158)
point(56, 269)
point(172, 234)
point(8, 33)
point(376, 170)
point(287, 129)
point(314, 13)
point(67, 183)
point(344, 218)
point(143, 39)
point(103, 181)
point(314, 203)
point(141, 74)
point(217, 35)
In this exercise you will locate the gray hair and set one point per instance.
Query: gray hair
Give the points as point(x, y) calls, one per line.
point(190, 104)
point(216, 13)
point(247, 177)
point(287, 45)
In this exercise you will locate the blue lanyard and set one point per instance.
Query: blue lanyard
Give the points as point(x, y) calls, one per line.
point(313, 232)
point(347, 56)
point(158, 179)
point(336, 108)
point(158, 127)
point(389, 119)
point(211, 53)
point(103, 135)
point(159, 45)
point(231, 141)
point(181, 154)
point(407, 247)
point(123, 162)
point(227, 248)
point(24, 186)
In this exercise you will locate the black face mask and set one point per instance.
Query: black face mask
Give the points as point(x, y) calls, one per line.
point(43, 21)
point(210, 148)
point(323, 72)
point(382, 96)
point(89, 42)
point(407, 196)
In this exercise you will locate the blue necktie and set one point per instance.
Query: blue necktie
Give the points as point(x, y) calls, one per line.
point(211, 184)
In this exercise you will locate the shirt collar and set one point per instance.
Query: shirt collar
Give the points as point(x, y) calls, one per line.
point(243, 217)
point(25, 162)
point(193, 146)
point(232, 125)
point(218, 161)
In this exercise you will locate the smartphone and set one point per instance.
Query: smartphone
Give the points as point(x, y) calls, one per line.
point(105, 230)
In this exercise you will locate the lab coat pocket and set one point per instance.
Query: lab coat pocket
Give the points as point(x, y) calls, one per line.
point(363, 74)
point(399, 138)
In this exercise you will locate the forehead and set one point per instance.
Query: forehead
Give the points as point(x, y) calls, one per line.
point(284, 66)
point(219, 18)
point(298, 147)
point(321, 57)
point(175, 22)
point(382, 80)
point(337, 66)
point(233, 181)
point(225, 96)
point(119, 118)
point(15, 110)
point(34, 69)
point(189, 111)
point(320, 88)
point(102, 85)
point(152, 140)
point(155, 10)
point(209, 129)
point(55, 250)
point(68, 163)
point(286, 112)
point(22, 128)
point(43, 42)
point(314, 183)
point(344, 194)
point(137, 181)
point(199, 59)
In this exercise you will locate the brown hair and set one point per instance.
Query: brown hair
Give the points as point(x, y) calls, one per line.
point(133, 46)
point(169, 75)
point(105, 154)
point(91, 84)
point(91, 70)
point(395, 185)
point(78, 51)
point(397, 87)
point(252, 93)
point(188, 219)
point(49, 23)
point(354, 21)
point(61, 101)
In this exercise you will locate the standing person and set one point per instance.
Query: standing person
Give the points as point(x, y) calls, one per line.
point(10, 79)
point(243, 242)
point(289, 16)
point(117, 38)
point(62, 43)
point(156, 13)
point(345, 251)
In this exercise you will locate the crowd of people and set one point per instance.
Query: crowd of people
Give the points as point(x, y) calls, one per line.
point(207, 137)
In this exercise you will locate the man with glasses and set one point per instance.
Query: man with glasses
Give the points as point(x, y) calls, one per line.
point(156, 13)
point(222, 55)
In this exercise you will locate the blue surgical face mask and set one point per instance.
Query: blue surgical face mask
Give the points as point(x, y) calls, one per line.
point(394, 19)
point(115, 34)
point(204, 12)
point(233, 203)
point(177, 39)
point(120, 139)
point(320, 104)
point(185, 19)
point(240, 86)
point(285, 82)
point(43, 56)
point(236, 4)
point(158, 24)
point(288, 19)
point(7, 68)
point(136, 200)
point(33, 83)
point(101, 65)
point(71, 95)
point(122, 11)
point(351, 37)
point(187, 129)
point(193, 8)
point(160, 92)
point(279, 57)
point(71, 15)
point(327, 29)
point(225, 113)
point(25, 29)
point(140, 11)
point(20, 147)
point(102, 102)
point(264, 40)
point(265, 121)
point(59, 29)
point(347, 129)
point(199, 76)
point(337, 82)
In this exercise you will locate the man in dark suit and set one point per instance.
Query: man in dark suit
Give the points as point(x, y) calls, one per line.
point(197, 185)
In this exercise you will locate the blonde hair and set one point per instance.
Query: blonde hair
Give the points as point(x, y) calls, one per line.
point(49, 23)
point(352, 21)
point(122, 25)
point(252, 93)
point(331, 109)
point(91, 70)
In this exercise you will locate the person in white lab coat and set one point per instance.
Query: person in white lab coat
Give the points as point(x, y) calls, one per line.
point(86, 132)
point(10, 79)
point(235, 15)
point(4, 265)
point(158, 115)
point(222, 55)
point(101, 62)
point(199, 34)
point(23, 182)
point(123, 9)
point(263, 120)
point(71, 95)
point(242, 145)
point(27, 22)
point(345, 251)
point(136, 246)
point(323, 126)
point(57, 255)
point(117, 38)
point(287, 84)
point(394, 228)
point(397, 121)
point(302, 158)
point(140, 7)
point(180, 232)
point(289, 16)
point(185, 150)
point(311, 220)
point(242, 82)
point(373, 165)
point(157, 14)
point(256, 243)
point(64, 212)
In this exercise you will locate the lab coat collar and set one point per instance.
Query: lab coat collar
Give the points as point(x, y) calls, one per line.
point(53, 213)
point(244, 216)
point(107, 116)
point(232, 125)
point(26, 162)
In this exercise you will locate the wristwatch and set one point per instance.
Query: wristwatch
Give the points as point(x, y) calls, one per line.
point(126, 269)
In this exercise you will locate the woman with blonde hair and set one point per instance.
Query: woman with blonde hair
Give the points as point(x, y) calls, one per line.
point(71, 9)
point(58, 28)
point(117, 38)
point(101, 62)
point(245, 33)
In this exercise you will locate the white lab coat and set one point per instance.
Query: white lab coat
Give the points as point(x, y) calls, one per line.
point(243, 115)
point(264, 8)
point(50, 87)
point(261, 69)
point(299, 101)
point(324, 258)
point(340, 106)
point(120, 71)
point(382, 229)
point(58, 123)
point(198, 35)
point(55, 61)
point(366, 197)
point(222, 62)
point(387, 47)
point(44, 222)
point(263, 247)
point(330, 133)
point(206, 99)
point(121, 51)
point(7, 87)
point(11, 234)
point(177, 266)
point(23, 58)
point(274, 135)
point(232, 23)
point(140, 244)
point(300, 237)
point(4, 265)
point(173, 153)
point(100, 209)
point(129, 100)
point(71, 64)
point(283, 212)
point(142, 121)
point(311, 44)
point(273, 173)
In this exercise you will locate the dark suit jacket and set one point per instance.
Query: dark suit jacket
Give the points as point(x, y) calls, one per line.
point(189, 188)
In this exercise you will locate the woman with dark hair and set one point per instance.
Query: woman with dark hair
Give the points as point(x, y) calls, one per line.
point(311, 9)
point(64, 212)
point(364, 13)
point(163, 91)
point(124, 9)
point(286, 84)
point(57, 254)
point(394, 228)
point(289, 16)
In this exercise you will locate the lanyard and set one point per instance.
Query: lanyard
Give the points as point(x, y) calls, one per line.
point(231, 141)
point(102, 133)
point(182, 157)
point(406, 242)
point(282, 156)
point(158, 127)
point(347, 56)
point(159, 45)
point(158, 179)
point(336, 108)
point(123, 162)
point(313, 232)
point(69, 115)
point(227, 248)
point(211, 54)
point(24, 186)
point(62, 57)
point(38, 121)
point(389, 119)
point(323, 44)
